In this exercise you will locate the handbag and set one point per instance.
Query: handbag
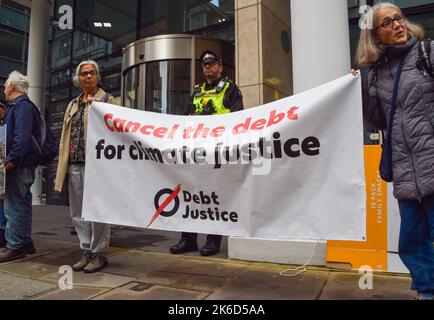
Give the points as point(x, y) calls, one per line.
point(386, 171)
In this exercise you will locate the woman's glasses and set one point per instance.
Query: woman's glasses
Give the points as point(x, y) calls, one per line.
point(388, 23)
point(86, 73)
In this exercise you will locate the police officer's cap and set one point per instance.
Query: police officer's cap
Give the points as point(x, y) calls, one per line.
point(209, 56)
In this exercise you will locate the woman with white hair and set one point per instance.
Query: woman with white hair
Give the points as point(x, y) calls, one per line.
point(401, 99)
point(94, 237)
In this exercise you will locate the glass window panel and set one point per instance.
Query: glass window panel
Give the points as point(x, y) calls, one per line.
point(98, 47)
point(408, 3)
point(131, 88)
point(61, 52)
point(15, 18)
point(202, 17)
point(60, 95)
point(168, 86)
point(8, 65)
point(112, 83)
point(113, 20)
point(15, 45)
point(426, 21)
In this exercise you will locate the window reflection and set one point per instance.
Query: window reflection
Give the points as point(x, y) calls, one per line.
point(187, 16)
point(409, 3)
point(131, 88)
point(168, 86)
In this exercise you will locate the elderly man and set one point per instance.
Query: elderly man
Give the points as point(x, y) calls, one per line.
point(22, 122)
point(217, 95)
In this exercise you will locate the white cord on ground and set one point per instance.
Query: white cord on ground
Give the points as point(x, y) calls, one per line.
point(303, 267)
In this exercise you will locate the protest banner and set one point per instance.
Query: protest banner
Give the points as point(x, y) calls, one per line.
point(292, 168)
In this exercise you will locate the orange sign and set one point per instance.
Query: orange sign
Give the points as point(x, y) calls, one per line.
point(373, 251)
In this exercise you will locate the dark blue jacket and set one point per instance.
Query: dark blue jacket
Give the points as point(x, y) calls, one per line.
point(22, 121)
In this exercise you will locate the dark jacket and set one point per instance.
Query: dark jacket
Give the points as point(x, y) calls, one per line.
point(22, 121)
point(413, 124)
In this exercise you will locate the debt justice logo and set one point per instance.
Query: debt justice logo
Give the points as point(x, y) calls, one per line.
point(191, 200)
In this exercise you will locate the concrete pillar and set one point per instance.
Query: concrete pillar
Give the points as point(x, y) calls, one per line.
point(263, 50)
point(320, 52)
point(248, 53)
point(320, 42)
point(37, 68)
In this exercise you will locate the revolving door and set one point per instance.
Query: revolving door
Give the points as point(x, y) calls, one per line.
point(158, 73)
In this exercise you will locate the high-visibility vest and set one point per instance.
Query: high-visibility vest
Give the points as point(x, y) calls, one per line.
point(216, 95)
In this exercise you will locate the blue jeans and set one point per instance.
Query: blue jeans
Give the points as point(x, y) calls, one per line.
point(18, 206)
point(416, 242)
point(2, 215)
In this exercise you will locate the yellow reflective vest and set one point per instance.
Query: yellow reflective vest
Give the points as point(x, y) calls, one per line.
point(202, 97)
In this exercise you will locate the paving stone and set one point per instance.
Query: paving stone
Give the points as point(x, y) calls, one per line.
point(97, 279)
point(135, 238)
point(16, 261)
point(216, 258)
point(260, 283)
point(66, 256)
point(17, 288)
point(166, 276)
point(206, 267)
point(138, 263)
point(44, 246)
point(29, 268)
point(184, 281)
point(77, 293)
point(151, 293)
point(161, 241)
point(69, 256)
point(345, 286)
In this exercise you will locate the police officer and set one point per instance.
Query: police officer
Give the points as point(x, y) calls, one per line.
point(216, 95)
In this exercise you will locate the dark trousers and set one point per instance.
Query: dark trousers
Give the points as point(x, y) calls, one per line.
point(416, 242)
point(190, 236)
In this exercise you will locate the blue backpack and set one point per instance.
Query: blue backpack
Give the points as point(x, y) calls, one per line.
point(49, 148)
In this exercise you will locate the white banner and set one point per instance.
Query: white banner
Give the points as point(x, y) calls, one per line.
point(288, 169)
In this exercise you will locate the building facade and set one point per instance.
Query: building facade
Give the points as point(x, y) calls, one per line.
point(272, 55)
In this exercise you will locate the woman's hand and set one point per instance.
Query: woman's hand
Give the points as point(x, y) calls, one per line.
point(8, 166)
point(89, 99)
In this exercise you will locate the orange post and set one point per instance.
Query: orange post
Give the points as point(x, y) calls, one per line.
point(373, 251)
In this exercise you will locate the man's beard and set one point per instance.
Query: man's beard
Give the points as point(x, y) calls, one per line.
point(212, 77)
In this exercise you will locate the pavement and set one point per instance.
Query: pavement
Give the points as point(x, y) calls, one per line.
point(140, 268)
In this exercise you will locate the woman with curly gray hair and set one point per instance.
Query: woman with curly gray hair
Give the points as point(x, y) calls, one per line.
point(94, 237)
point(401, 100)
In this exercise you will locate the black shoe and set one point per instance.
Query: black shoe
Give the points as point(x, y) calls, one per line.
point(29, 248)
point(183, 246)
point(11, 254)
point(210, 248)
point(2, 238)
